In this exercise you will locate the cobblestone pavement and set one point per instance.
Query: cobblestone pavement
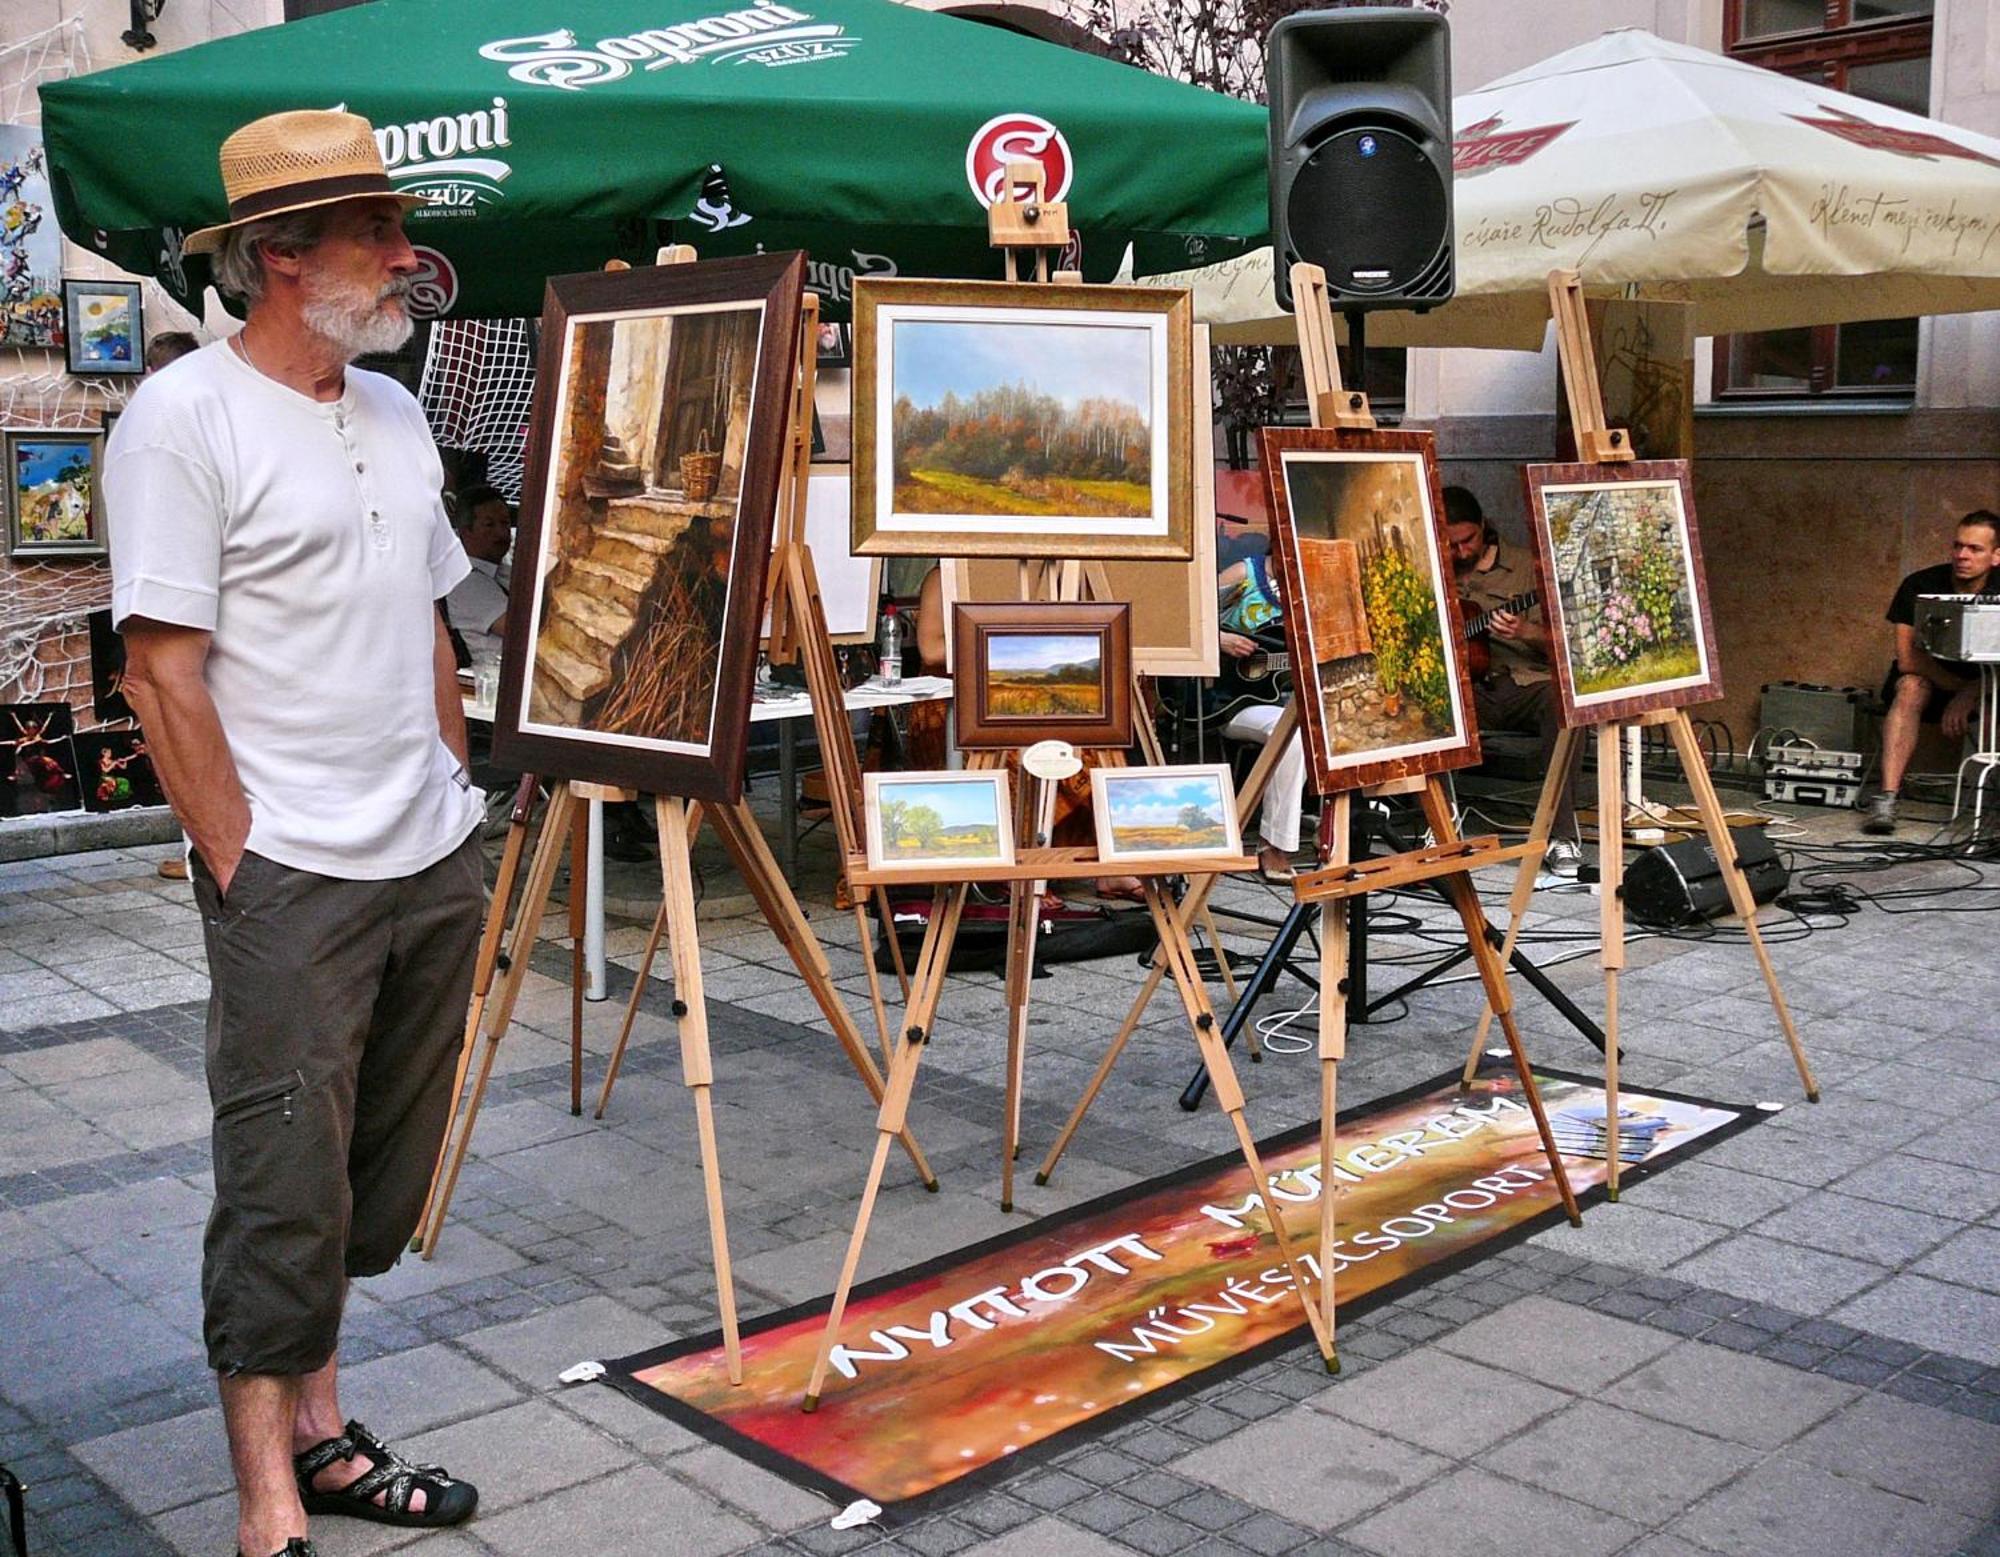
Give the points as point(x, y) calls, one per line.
point(1790, 1345)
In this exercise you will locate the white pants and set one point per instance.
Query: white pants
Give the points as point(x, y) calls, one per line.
point(1285, 795)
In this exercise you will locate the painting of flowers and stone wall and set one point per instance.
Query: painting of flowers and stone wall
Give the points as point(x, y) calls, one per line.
point(1622, 577)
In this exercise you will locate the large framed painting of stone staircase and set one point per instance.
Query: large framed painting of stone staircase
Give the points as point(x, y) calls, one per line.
point(654, 461)
point(1619, 560)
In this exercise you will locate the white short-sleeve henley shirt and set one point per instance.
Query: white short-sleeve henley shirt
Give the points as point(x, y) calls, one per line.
point(309, 540)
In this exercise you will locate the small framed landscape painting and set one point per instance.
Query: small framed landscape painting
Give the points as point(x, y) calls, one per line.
point(654, 460)
point(1623, 588)
point(1145, 812)
point(932, 823)
point(104, 326)
point(1378, 655)
point(1043, 672)
point(53, 506)
point(1015, 420)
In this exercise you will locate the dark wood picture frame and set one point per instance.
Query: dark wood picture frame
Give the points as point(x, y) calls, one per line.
point(572, 482)
point(999, 304)
point(975, 627)
point(1560, 603)
point(1332, 771)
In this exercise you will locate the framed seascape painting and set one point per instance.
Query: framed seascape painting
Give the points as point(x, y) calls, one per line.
point(1144, 812)
point(1378, 656)
point(932, 823)
point(1015, 420)
point(1042, 672)
point(654, 460)
point(1623, 588)
point(53, 505)
point(104, 325)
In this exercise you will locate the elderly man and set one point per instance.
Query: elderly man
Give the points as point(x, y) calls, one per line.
point(278, 546)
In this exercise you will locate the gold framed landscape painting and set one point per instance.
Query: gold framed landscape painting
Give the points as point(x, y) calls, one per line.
point(1185, 810)
point(931, 823)
point(1378, 654)
point(654, 460)
point(1623, 588)
point(1014, 420)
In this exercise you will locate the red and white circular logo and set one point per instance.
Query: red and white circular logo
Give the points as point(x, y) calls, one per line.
point(434, 288)
point(1016, 138)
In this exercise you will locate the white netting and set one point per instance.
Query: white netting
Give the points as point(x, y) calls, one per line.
point(478, 383)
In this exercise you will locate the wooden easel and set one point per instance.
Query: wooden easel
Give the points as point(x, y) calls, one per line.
point(737, 827)
point(1449, 860)
point(1602, 445)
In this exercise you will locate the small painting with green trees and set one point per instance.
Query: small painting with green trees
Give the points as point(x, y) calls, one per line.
point(938, 819)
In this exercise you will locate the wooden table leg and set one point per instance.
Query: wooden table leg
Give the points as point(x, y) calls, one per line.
point(1611, 925)
point(1720, 839)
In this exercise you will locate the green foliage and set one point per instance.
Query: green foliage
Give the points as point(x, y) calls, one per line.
point(1403, 621)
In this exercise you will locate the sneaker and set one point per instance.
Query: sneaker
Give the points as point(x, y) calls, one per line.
point(1564, 858)
point(1879, 815)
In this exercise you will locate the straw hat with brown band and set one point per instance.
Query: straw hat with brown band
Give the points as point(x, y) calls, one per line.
point(294, 161)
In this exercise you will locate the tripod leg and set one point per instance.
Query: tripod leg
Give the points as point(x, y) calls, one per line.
point(1024, 909)
point(865, 941)
point(1717, 824)
point(1222, 962)
point(645, 972)
point(1332, 1050)
point(1611, 918)
point(895, 946)
point(579, 887)
point(1276, 958)
point(1464, 898)
point(1229, 1094)
point(1524, 880)
point(556, 823)
point(891, 1121)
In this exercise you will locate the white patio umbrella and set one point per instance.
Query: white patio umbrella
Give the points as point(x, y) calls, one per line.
point(1670, 172)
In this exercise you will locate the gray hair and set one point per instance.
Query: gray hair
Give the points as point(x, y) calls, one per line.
point(239, 267)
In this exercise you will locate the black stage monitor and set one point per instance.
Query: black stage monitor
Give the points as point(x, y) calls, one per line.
point(1361, 154)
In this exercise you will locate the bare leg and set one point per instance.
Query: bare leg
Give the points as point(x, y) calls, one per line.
point(319, 1418)
point(259, 1411)
point(1900, 727)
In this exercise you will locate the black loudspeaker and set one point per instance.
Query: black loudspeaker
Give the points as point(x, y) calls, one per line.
point(1681, 883)
point(1361, 154)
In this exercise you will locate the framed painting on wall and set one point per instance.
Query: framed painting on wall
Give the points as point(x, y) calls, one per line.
point(655, 454)
point(37, 759)
point(1378, 654)
point(54, 508)
point(1042, 672)
point(1623, 590)
point(1017, 420)
point(104, 326)
point(31, 245)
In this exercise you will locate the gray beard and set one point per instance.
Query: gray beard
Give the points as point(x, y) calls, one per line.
point(357, 327)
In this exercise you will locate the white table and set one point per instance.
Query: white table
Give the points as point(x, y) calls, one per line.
point(787, 710)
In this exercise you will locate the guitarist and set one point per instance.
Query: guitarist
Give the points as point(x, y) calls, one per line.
point(1248, 602)
point(1512, 691)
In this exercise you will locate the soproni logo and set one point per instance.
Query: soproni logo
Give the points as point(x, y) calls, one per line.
point(766, 33)
point(1921, 144)
point(434, 288)
point(1016, 138)
point(831, 280)
point(443, 159)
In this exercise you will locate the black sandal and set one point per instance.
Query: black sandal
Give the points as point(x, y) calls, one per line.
point(297, 1546)
point(447, 1501)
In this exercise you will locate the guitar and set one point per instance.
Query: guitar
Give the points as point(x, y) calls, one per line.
point(1478, 652)
point(1262, 676)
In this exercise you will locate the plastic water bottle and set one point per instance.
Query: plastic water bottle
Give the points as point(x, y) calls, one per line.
point(889, 648)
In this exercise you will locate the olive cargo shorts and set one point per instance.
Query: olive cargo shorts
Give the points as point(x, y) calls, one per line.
point(334, 1019)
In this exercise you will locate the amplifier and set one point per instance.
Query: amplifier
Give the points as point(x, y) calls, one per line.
point(1812, 786)
point(1831, 718)
point(1681, 883)
point(1960, 627)
point(1794, 757)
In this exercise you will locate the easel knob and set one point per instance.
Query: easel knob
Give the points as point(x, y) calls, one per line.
point(1024, 218)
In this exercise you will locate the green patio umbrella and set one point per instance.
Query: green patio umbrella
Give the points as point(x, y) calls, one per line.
point(562, 132)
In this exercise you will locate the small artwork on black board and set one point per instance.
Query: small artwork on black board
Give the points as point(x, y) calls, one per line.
point(37, 759)
point(116, 771)
point(107, 670)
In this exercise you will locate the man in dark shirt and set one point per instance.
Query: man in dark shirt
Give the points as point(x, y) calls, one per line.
point(1923, 689)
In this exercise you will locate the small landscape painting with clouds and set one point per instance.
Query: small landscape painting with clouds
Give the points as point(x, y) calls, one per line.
point(1164, 810)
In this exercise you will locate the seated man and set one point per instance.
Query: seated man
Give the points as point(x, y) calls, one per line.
point(1923, 689)
point(477, 607)
point(1516, 692)
point(1251, 602)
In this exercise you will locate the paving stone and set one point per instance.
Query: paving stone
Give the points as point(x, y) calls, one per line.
point(1558, 1344)
point(1632, 1236)
point(1785, 1507)
point(1911, 1450)
point(1745, 1399)
point(163, 1464)
point(537, 1349)
point(1311, 1468)
point(1808, 1281)
point(1403, 1398)
point(1049, 1537)
point(1935, 1314)
point(1862, 1229)
point(1473, 1511)
point(1623, 1463)
point(635, 1510)
point(416, 1390)
point(1972, 1258)
point(769, 1500)
point(519, 1454)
